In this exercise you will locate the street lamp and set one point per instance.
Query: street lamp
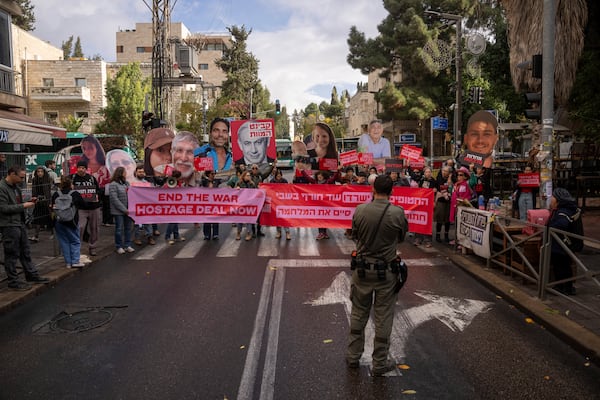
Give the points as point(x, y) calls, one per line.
point(458, 102)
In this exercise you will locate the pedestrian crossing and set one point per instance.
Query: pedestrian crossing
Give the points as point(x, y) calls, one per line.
point(303, 244)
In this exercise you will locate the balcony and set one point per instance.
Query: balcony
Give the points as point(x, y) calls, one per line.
point(61, 94)
point(10, 93)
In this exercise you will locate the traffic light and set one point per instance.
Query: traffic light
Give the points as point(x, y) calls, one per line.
point(472, 94)
point(534, 110)
point(147, 120)
point(536, 66)
point(277, 107)
point(480, 94)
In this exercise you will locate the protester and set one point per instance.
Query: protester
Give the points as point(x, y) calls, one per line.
point(218, 147)
point(461, 191)
point(378, 227)
point(278, 178)
point(441, 212)
point(426, 182)
point(120, 212)
point(50, 167)
point(479, 181)
point(211, 229)
point(139, 179)
point(14, 232)
point(173, 227)
point(525, 196)
point(41, 188)
point(67, 232)
point(245, 183)
point(323, 177)
point(89, 215)
point(562, 209)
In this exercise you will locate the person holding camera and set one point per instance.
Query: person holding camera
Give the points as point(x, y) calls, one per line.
point(378, 228)
point(41, 186)
point(14, 231)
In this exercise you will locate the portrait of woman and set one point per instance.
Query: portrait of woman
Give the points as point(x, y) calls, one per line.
point(324, 142)
point(157, 151)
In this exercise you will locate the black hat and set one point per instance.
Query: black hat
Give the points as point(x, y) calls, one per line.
point(562, 195)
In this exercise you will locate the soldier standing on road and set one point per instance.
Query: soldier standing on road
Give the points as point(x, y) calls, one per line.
point(14, 232)
point(378, 227)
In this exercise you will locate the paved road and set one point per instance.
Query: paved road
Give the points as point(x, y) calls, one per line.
point(268, 320)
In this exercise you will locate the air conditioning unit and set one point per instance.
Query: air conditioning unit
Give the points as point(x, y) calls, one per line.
point(186, 59)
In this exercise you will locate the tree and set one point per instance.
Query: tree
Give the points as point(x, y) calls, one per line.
point(125, 94)
point(241, 70)
point(71, 123)
point(77, 51)
point(67, 47)
point(27, 21)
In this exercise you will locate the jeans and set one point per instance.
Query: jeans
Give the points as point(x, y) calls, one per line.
point(525, 203)
point(210, 229)
point(16, 247)
point(145, 230)
point(70, 244)
point(122, 223)
point(172, 229)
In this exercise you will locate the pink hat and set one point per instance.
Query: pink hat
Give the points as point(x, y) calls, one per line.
point(465, 170)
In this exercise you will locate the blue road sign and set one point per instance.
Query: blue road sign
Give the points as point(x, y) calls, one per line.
point(439, 123)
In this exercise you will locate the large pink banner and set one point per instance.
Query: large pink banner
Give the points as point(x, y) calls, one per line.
point(332, 206)
point(194, 204)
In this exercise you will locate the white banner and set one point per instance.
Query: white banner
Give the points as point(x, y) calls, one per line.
point(473, 230)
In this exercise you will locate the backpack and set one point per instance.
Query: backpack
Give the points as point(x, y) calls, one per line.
point(64, 208)
point(576, 227)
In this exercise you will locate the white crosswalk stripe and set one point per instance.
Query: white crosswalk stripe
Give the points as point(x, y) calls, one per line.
point(303, 242)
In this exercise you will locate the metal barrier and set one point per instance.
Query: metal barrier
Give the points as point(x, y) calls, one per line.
point(538, 273)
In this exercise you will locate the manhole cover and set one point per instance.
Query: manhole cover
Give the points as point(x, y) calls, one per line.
point(80, 321)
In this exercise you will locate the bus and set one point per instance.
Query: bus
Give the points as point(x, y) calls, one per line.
point(284, 154)
point(346, 144)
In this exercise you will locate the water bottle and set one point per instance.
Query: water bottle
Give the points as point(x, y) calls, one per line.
point(481, 202)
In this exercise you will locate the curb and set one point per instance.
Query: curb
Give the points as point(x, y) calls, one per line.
point(577, 336)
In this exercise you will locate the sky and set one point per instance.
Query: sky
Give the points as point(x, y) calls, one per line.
point(301, 45)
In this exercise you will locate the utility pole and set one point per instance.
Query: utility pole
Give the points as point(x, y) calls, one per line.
point(547, 96)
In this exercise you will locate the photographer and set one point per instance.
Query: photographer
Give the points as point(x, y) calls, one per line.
point(378, 227)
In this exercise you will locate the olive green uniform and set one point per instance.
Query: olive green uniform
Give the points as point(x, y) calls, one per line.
point(377, 288)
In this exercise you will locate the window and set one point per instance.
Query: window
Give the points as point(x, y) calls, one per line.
point(202, 66)
point(48, 82)
point(140, 49)
point(119, 49)
point(5, 44)
point(80, 82)
point(81, 114)
point(51, 117)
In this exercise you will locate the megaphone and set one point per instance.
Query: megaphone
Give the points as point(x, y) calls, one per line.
point(171, 182)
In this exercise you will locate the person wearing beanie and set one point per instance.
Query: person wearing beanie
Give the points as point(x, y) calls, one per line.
point(562, 209)
point(89, 215)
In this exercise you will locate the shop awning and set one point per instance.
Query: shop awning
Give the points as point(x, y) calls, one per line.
point(57, 131)
point(16, 132)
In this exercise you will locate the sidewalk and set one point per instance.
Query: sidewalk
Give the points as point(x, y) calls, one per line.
point(574, 325)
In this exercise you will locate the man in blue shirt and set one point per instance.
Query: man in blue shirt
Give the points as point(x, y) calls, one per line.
point(374, 142)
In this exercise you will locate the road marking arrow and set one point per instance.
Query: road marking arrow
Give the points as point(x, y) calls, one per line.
point(455, 313)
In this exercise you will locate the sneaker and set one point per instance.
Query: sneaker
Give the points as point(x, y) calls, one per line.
point(151, 241)
point(68, 265)
point(260, 234)
point(238, 236)
point(157, 233)
point(20, 286)
point(325, 236)
point(206, 237)
point(180, 239)
point(120, 250)
point(171, 241)
point(137, 242)
point(278, 235)
point(130, 249)
point(77, 265)
point(320, 236)
point(288, 236)
point(216, 237)
point(249, 236)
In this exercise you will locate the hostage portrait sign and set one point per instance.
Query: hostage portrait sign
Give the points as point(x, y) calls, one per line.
point(332, 206)
point(194, 204)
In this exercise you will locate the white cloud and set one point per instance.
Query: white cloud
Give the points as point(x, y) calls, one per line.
point(301, 45)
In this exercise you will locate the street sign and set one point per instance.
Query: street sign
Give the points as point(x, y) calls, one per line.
point(408, 137)
point(439, 123)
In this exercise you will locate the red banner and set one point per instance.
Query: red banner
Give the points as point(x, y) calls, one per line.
point(332, 206)
point(161, 205)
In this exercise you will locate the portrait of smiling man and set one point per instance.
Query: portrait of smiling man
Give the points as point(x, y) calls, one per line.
point(480, 139)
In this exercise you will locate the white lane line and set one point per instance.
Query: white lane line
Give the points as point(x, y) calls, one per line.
point(246, 390)
point(230, 246)
point(150, 252)
point(309, 244)
point(267, 387)
point(191, 249)
point(307, 263)
point(269, 247)
point(345, 245)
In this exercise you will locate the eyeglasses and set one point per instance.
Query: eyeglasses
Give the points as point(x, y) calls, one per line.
point(254, 167)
